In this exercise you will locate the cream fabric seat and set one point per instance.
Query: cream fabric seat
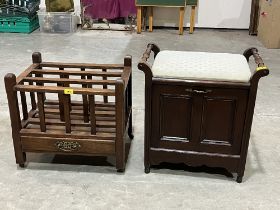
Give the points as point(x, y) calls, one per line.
point(201, 66)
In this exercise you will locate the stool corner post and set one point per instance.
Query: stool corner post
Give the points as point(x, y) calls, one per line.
point(120, 120)
point(36, 57)
point(146, 68)
point(10, 83)
point(128, 60)
point(155, 48)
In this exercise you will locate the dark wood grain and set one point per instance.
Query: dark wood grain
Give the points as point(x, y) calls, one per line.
point(92, 114)
point(52, 89)
point(41, 108)
point(120, 145)
point(82, 65)
point(66, 117)
point(199, 122)
point(10, 82)
point(74, 72)
point(85, 100)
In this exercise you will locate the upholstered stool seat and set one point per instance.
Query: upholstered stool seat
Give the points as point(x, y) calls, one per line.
point(201, 66)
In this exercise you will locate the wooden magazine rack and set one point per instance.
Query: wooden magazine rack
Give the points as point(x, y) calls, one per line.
point(53, 120)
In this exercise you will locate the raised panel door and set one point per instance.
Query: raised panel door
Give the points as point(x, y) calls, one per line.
point(173, 118)
point(222, 121)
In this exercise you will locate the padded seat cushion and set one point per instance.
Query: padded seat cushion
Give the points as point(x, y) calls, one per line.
point(201, 66)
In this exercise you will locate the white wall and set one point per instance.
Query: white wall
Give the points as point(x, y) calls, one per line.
point(211, 14)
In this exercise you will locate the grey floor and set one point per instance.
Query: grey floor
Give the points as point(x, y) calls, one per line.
point(47, 185)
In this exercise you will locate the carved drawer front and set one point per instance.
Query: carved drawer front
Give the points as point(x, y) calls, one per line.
point(222, 121)
point(172, 117)
point(74, 146)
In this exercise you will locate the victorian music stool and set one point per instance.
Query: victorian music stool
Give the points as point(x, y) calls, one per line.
point(199, 107)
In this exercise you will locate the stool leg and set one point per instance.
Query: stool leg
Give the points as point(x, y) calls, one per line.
point(239, 178)
point(21, 165)
point(120, 142)
point(181, 20)
point(151, 16)
point(139, 20)
point(147, 169)
point(10, 82)
point(192, 21)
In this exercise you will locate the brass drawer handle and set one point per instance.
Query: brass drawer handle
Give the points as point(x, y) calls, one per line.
point(68, 146)
point(198, 91)
point(202, 91)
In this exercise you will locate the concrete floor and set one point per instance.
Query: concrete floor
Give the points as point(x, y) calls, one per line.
point(46, 185)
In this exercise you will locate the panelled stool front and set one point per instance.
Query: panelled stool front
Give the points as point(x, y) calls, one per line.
point(199, 107)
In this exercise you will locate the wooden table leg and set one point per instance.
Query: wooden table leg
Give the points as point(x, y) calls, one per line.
point(181, 20)
point(151, 16)
point(192, 20)
point(139, 19)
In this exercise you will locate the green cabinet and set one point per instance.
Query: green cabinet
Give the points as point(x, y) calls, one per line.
point(181, 4)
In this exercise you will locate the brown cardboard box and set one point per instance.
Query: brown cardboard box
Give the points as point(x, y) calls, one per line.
point(269, 23)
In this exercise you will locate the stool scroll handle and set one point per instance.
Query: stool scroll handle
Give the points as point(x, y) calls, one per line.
point(255, 53)
point(151, 47)
point(143, 65)
point(257, 57)
point(261, 70)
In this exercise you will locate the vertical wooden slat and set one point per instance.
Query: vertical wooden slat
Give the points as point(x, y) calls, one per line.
point(89, 86)
point(89, 77)
point(67, 117)
point(92, 114)
point(126, 103)
point(64, 76)
point(32, 98)
point(10, 82)
point(61, 107)
point(24, 105)
point(120, 145)
point(60, 99)
point(105, 98)
point(66, 85)
point(37, 58)
point(85, 101)
point(129, 90)
point(128, 63)
point(40, 98)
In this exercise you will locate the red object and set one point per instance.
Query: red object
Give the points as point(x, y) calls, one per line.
point(109, 9)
